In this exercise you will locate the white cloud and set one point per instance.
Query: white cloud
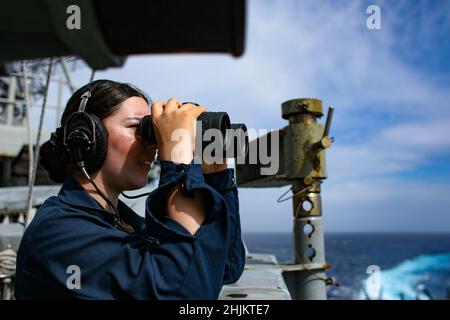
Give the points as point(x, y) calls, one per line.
point(387, 205)
point(394, 149)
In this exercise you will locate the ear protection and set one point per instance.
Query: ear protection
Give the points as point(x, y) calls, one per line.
point(86, 141)
point(85, 137)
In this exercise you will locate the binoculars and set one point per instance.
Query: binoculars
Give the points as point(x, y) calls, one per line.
point(233, 138)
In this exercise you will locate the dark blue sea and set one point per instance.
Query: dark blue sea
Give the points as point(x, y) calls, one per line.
point(413, 266)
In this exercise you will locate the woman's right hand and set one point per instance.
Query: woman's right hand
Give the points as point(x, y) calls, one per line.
point(175, 129)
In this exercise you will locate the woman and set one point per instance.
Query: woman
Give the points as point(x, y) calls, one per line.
point(86, 243)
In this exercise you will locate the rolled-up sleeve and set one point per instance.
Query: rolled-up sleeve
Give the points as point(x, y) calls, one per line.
point(218, 254)
point(224, 183)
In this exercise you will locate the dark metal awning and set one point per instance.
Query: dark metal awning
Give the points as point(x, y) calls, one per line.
point(110, 30)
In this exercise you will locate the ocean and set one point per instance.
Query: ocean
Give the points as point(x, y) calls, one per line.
point(412, 266)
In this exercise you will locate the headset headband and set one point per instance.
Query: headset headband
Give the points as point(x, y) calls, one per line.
point(84, 99)
point(81, 109)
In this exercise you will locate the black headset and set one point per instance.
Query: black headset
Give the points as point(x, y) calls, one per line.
point(86, 141)
point(85, 137)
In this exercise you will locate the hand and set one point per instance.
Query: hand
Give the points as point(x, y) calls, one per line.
point(175, 128)
point(214, 167)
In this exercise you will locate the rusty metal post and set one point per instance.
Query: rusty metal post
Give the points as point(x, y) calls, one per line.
point(305, 141)
point(302, 147)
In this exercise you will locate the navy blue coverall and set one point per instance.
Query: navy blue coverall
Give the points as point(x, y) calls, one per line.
point(161, 260)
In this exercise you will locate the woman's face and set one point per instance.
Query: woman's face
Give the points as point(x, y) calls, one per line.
point(129, 156)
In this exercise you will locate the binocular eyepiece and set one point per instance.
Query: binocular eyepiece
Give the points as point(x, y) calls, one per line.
point(233, 138)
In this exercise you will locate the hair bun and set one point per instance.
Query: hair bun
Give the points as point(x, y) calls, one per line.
point(56, 139)
point(54, 157)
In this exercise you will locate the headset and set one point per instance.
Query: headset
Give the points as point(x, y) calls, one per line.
point(86, 141)
point(85, 137)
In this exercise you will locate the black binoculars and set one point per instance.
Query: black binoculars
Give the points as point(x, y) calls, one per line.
point(233, 137)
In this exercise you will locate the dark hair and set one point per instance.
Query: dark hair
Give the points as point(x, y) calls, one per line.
point(106, 96)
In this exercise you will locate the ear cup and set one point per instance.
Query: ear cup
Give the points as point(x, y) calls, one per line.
point(86, 140)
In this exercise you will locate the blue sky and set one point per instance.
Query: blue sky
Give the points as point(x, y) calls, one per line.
point(389, 169)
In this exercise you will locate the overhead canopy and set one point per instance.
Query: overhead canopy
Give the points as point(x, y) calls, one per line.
point(110, 30)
